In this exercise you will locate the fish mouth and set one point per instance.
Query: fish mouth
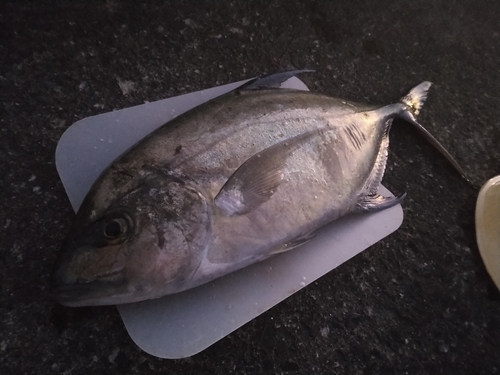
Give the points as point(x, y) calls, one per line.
point(94, 293)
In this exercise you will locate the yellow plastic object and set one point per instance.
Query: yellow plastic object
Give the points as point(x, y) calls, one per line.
point(488, 227)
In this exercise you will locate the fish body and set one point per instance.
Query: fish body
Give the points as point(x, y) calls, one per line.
point(234, 181)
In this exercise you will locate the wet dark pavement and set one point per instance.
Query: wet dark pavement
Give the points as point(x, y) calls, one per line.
point(418, 302)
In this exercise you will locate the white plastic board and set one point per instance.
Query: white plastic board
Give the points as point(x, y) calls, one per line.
point(184, 324)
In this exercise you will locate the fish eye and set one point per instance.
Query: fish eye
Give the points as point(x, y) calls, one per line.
point(114, 228)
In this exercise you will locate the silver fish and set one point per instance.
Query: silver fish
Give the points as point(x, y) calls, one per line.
point(234, 181)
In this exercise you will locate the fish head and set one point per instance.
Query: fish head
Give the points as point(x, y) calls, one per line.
point(145, 242)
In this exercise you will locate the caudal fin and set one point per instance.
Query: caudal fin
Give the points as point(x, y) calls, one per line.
point(414, 101)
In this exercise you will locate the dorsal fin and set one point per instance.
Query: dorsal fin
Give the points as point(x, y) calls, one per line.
point(272, 80)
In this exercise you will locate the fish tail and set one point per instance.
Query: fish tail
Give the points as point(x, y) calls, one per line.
point(415, 99)
point(413, 102)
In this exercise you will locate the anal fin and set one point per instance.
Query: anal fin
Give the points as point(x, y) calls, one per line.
point(373, 201)
point(293, 244)
point(377, 202)
point(375, 178)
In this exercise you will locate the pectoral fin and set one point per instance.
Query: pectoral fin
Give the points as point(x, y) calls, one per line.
point(251, 185)
point(257, 179)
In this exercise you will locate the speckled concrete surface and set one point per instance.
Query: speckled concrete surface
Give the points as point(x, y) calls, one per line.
point(418, 302)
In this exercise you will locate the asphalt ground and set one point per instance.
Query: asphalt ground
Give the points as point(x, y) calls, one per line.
point(418, 302)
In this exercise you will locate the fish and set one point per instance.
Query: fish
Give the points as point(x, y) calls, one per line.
point(236, 180)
